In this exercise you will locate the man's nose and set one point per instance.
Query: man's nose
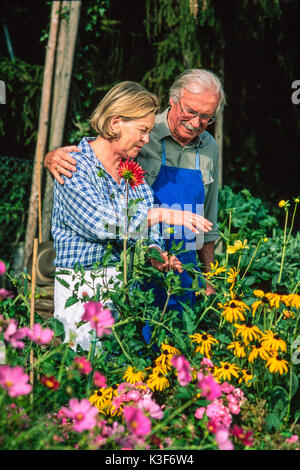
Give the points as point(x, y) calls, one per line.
point(196, 122)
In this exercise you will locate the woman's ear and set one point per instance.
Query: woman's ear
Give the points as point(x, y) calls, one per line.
point(115, 125)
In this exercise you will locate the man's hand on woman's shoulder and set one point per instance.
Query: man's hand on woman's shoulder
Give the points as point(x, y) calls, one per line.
point(60, 162)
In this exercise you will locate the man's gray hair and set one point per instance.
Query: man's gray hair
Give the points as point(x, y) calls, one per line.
point(196, 81)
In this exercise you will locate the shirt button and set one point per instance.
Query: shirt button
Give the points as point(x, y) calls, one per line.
point(152, 172)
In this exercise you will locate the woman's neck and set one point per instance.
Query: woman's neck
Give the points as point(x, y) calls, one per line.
point(106, 153)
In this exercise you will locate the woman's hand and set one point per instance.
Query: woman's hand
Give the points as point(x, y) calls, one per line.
point(60, 162)
point(193, 222)
point(168, 262)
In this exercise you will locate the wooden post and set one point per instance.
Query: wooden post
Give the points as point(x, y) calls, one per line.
point(35, 197)
point(32, 303)
point(65, 55)
point(219, 140)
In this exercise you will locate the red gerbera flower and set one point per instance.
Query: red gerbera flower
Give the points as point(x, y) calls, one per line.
point(132, 173)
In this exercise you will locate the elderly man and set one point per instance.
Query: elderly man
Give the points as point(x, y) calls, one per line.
point(180, 160)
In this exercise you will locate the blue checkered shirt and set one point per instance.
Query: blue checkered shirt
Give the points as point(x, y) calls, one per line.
point(89, 211)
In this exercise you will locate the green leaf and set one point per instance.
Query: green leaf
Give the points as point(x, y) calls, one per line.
point(71, 301)
point(63, 282)
point(272, 422)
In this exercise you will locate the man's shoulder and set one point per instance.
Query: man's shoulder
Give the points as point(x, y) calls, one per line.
point(208, 139)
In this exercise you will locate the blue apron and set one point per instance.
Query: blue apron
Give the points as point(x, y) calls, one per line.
point(182, 187)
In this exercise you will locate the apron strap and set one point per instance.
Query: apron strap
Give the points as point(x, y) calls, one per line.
point(197, 159)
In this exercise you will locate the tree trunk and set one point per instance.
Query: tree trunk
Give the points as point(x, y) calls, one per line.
point(65, 54)
point(35, 196)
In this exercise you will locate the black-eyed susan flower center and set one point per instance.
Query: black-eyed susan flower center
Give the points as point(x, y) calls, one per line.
point(204, 337)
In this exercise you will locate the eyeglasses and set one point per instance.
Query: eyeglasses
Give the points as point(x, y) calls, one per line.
point(189, 114)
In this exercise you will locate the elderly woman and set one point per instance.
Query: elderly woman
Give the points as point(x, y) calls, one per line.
point(89, 208)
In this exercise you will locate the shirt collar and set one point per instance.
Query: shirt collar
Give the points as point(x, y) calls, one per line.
point(87, 150)
point(164, 129)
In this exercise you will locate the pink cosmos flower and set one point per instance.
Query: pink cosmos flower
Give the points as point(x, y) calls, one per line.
point(150, 406)
point(137, 422)
point(183, 370)
point(292, 439)
point(99, 380)
point(99, 318)
point(223, 442)
point(13, 336)
point(82, 413)
point(6, 294)
point(210, 389)
point(199, 413)
point(83, 365)
point(14, 380)
point(2, 268)
point(39, 335)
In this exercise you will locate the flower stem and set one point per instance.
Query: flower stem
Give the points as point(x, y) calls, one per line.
point(60, 372)
point(169, 418)
point(229, 228)
point(252, 258)
point(283, 247)
point(291, 373)
point(169, 292)
point(125, 238)
point(121, 345)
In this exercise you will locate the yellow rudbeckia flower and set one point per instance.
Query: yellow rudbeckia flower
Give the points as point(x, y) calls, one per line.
point(157, 380)
point(238, 349)
point(237, 246)
point(258, 350)
point(205, 342)
point(276, 363)
point(132, 376)
point(271, 341)
point(248, 332)
point(226, 370)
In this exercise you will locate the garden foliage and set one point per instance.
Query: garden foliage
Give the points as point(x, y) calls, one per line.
point(223, 375)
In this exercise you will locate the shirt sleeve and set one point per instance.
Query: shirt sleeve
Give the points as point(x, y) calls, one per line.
point(92, 215)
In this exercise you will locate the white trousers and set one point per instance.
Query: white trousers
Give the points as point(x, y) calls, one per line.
point(71, 316)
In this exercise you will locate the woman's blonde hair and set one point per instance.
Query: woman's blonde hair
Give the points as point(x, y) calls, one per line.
point(129, 101)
